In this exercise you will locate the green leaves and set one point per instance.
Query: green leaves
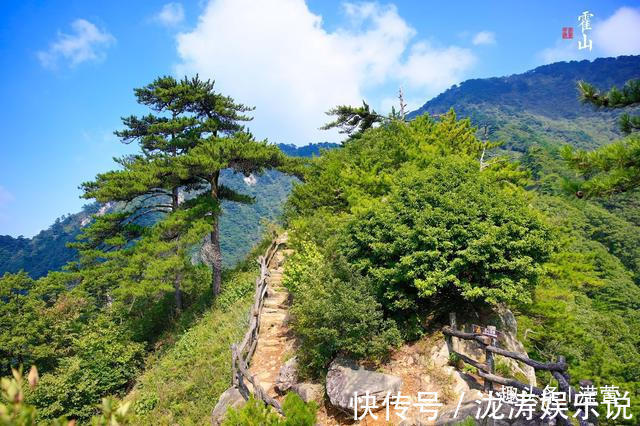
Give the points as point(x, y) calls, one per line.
point(614, 98)
point(611, 169)
point(448, 232)
point(353, 120)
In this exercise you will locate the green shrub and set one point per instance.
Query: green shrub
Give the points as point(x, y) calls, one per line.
point(302, 266)
point(105, 362)
point(448, 235)
point(253, 413)
point(256, 413)
point(297, 412)
point(334, 311)
point(14, 411)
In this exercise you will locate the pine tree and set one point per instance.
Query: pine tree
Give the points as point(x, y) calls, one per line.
point(353, 120)
point(184, 114)
point(615, 98)
point(615, 167)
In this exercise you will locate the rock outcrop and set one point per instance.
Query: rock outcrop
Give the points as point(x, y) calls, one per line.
point(288, 375)
point(309, 392)
point(229, 398)
point(345, 377)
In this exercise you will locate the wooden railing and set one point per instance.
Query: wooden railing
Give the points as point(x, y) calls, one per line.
point(242, 352)
point(487, 370)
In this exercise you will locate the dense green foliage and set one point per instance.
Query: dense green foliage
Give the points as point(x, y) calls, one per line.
point(255, 413)
point(14, 411)
point(406, 215)
point(587, 304)
point(334, 311)
point(413, 223)
point(448, 232)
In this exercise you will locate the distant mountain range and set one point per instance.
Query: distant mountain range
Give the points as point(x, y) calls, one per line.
point(538, 107)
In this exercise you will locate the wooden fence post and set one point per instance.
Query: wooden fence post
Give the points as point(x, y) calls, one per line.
point(488, 385)
point(234, 374)
point(451, 346)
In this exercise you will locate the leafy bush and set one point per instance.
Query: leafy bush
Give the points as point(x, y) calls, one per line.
point(105, 362)
point(15, 412)
point(256, 413)
point(445, 235)
point(334, 311)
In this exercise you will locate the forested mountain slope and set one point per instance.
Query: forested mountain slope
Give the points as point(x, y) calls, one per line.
point(241, 228)
point(540, 105)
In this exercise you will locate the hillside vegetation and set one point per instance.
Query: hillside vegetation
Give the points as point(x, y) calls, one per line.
point(541, 105)
point(414, 226)
point(401, 224)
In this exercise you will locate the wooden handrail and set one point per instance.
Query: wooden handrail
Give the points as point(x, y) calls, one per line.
point(558, 369)
point(549, 366)
point(242, 353)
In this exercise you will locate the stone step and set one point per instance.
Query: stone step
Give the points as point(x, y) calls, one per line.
point(275, 303)
point(272, 342)
point(269, 317)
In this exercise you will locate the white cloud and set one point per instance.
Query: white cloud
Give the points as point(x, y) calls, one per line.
point(86, 43)
point(425, 65)
point(277, 56)
point(563, 50)
point(5, 196)
point(619, 34)
point(170, 15)
point(484, 37)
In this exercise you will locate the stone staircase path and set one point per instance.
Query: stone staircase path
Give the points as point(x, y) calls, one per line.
point(275, 340)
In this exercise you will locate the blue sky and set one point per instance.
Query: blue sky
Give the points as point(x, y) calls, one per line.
point(68, 69)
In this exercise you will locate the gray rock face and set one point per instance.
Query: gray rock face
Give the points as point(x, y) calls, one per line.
point(344, 378)
point(309, 392)
point(229, 398)
point(510, 342)
point(288, 375)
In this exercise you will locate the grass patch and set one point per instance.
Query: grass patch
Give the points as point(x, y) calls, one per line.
point(183, 381)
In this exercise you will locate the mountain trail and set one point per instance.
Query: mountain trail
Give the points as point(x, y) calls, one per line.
point(275, 341)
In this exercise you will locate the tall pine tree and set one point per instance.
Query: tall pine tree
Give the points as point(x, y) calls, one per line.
point(184, 114)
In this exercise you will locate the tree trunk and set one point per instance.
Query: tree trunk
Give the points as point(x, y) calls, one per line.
point(177, 294)
point(216, 258)
point(216, 254)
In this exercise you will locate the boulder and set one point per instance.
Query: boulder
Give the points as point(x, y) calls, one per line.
point(309, 392)
point(288, 375)
point(229, 398)
point(510, 342)
point(345, 377)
